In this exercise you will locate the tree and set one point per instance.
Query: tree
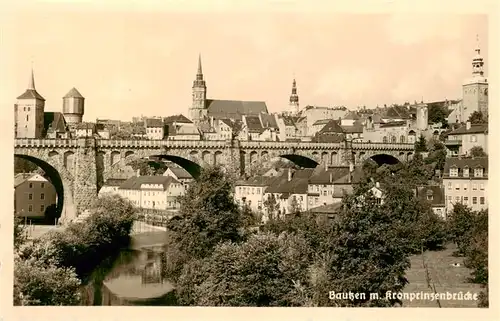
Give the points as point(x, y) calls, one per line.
point(208, 215)
point(438, 114)
point(294, 206)
point(368, 255)
point(421, 145)
point(478, 117)
point(477, 151)
point(461, 223)
point(23, 166)
point(266, 270)
point(19, 232)
point(271, 205)
point(148, 167)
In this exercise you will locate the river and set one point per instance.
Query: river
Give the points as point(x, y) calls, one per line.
point(133, 277)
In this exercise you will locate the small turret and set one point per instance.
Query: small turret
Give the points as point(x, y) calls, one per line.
point(73, 106)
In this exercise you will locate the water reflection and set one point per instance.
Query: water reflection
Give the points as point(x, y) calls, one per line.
point(136, 278)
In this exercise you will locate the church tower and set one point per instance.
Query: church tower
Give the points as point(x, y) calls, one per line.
point(294, 100)
point(73, 106)
point(198, 109)
point(422, 116)
point(29, 112)
point(475, 89)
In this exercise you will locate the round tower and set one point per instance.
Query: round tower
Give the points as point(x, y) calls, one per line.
point(73, 106)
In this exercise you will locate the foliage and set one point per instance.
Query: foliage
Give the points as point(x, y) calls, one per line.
point(294, 206)
point(438, 114)
point(19, 232)
point(22, 165)
point(461, 222)
point(148, 167)
point(368, 254)
point(478, 117)
point(67, 257)
point(437, 154)
point(38, 283)
point(477, 151)
point(421, 145)
point(208, 215)
point(267, 270)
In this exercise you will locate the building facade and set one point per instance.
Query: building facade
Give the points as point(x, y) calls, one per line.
point(465, 181)
point(460, 141)
point(34, 196)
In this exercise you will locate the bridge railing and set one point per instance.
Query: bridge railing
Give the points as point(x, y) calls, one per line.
point(109, 143)
point(379, 146)
point(60, 142)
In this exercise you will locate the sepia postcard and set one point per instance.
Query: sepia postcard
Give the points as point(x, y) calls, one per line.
point(255, 155)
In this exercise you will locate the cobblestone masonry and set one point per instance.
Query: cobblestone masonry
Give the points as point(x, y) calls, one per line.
point(84, 164)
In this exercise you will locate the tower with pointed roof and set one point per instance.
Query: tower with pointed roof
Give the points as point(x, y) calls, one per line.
point(475, 89)
point(73, 106)
point(294, 99)
point(198, 110)
point(29, 112)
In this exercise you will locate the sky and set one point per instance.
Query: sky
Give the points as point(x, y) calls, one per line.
point(130, 63)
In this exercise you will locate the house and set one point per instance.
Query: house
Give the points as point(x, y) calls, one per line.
point(180, 174)
point(34, 196)
point(153, 192)
point(287, 127)
point(155, 129)
point(435, 196)
point(111, 186)
point(312, 114)
point(328, 212)
point(318, 126)
point(465, 181)
point(84, 129)
point(290, 188)
point(251, 192)
point(321, 188)
point(179, 127)
point(461, 140)
point(55, 126)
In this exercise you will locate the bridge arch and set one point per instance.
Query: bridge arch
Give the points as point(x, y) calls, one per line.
point(54, 177)
point(300, 160)
point(382, 159)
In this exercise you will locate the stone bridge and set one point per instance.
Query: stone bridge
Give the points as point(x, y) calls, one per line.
point(79, 167)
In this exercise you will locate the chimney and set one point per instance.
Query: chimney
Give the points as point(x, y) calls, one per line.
point(138, 172)
point(289, 174)
point(377, 185)
point(331, 178)
point(467, 125)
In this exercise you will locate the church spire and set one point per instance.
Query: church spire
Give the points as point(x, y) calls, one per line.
point(31, 85)
point(199, 73)
point(477, 61)
point(294, 99)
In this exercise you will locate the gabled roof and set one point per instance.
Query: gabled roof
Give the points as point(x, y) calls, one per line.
point(180, 172)
point(474, 129)
point(136, 182)
point(234, 109)
point(153, 122)
point(177, 118)
point(321, 175)
point(332, 127)
point(31, 94)
point(460, 163)
point(268, 121)
point(357, 175)
point(182, 129)
point(21, 178)
point(327, 209)
point(393, 124)
point(253, 124)
point(352, 115)
point(321, 122)
point(357, 127)
point(73, 93)
point(54, 122)
point(297, 185)
point(399, 112)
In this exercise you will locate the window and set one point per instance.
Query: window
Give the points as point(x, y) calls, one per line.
point(481, 187)
point(42, 208)
point(42, 196)
point(30, 208)
point(457, 198)
point(42, 185)
point(474, 187)
point(465, 187)
point(430, 197)
point(473, 138)
point(27, 117)
point(454, 172)
point(474, 200)
point(449, 185)
point(478, 172)
point(466, 200)
point(393, 139)
point(449, 198)
point(324, 193)
point(31, 185)
point(457, 186)
point(481, 200)
point(466, 171)
point(30, 196)
point(401, 139)
point(384, 139)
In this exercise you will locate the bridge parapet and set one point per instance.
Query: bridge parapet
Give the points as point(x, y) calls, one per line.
point(288, 145)
point(157, 144)
point(383, 146)
point(45, 143)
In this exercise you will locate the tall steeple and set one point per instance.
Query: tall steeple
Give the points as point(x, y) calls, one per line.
point(198, 109)
point(294, 99)
point(477, 61)
point(31, 85)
